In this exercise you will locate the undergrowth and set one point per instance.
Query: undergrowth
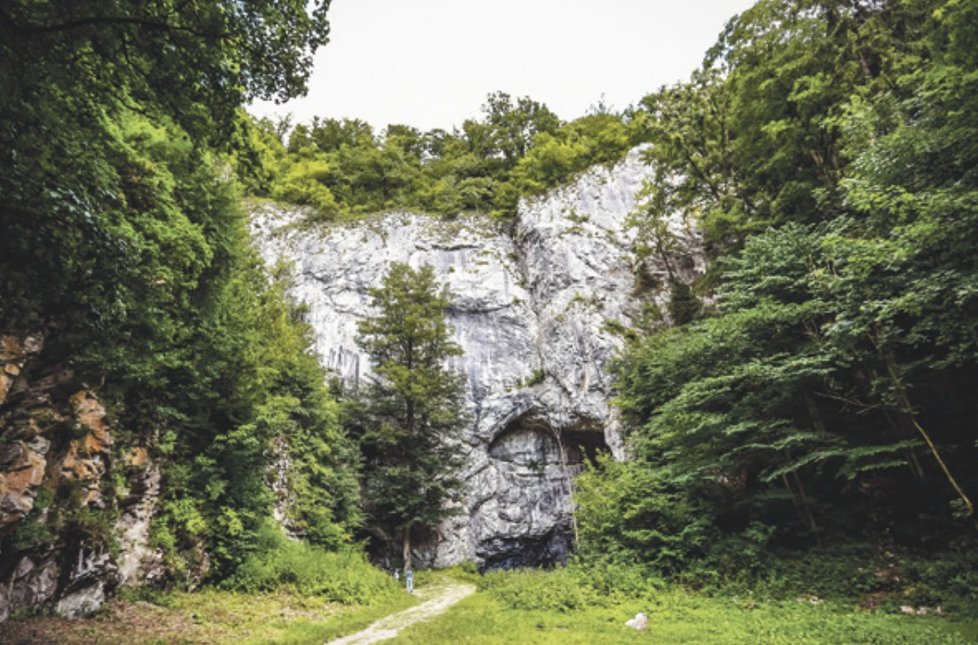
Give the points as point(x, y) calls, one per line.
point(280, 564)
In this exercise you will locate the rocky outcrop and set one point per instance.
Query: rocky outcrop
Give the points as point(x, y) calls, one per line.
point(60, 504)
point(279, 483)
point(540, 306)
point(23, 453)
point(138, 562)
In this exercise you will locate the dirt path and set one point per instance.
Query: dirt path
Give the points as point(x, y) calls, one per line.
point(389, 626)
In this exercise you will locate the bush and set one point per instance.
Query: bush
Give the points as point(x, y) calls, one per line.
point(627, 513)
point(955, 574)
point(570, 588)
point(575, 587)
point(280, 564)
point(303, 183)
point(617, 581)
point(559, 590)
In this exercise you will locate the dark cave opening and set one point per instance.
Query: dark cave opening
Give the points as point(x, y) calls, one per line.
point(531, 524)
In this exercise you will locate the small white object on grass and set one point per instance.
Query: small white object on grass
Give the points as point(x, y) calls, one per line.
point(639, 623)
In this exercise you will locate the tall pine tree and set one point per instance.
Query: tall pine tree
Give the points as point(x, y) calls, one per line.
point(412, 410)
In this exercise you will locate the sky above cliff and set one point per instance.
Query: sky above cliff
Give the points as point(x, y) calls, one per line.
point(431, 63)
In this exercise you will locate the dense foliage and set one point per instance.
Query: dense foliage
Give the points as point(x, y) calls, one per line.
point(826, 149)
point(123, 242)
point(344, 169)
point(342, 576)
point(409, 417)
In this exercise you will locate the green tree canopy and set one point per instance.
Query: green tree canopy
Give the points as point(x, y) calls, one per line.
point(518, 147)
point(203, 57)
point(124, 243)
point(827, 150)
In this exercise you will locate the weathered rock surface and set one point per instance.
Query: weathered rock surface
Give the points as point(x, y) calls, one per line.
point(538, 309)
point(137, 561)
point(57, 456)
point(23, 450)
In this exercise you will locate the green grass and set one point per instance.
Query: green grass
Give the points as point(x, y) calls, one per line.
point(209, 616)
point(679, 617)
point(565, 606)
point(305, 631)
point(277, 563)
point(257, 619)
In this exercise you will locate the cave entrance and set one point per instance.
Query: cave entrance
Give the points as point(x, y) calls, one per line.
point(530, 521)
point(530, 440)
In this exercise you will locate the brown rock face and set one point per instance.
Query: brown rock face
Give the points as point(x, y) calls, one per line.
point(138, 457)
point(55, 436)
point(22, 469)
point(91, 415)
point(22, 454)
point(87, 459)
point(5, 382)
point(14, 352)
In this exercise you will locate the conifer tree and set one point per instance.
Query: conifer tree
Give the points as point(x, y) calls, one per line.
point(412, 410)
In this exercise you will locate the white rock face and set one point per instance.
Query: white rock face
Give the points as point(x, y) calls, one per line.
point(138, 561)
point(539, 308)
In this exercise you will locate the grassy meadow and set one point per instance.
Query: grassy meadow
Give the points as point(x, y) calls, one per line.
point(540, 607)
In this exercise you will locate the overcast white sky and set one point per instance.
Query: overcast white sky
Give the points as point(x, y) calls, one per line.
point(431, 63)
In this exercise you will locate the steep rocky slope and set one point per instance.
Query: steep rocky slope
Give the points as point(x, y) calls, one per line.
point(67, 490)
point(539, 308)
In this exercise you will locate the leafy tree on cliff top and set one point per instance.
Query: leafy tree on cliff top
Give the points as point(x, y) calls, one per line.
point(753, 139)
point(412, 411)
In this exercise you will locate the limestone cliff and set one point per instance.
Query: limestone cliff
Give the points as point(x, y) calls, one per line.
point(540, 306)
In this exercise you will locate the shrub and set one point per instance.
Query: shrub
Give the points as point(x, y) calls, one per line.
point(559, 590)
point(303, 183)
point(280, 564)
point(627, 513)
point(617, 581)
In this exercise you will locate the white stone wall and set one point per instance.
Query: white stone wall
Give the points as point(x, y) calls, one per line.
point(535, 297)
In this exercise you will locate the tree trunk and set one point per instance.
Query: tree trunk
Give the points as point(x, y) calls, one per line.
point(801, 499)
point(915, 466)
point(407, 549)
point(816, 415)
point(794, 498)
point(807, 507)
point(570, 483)
point(903, 400)
point(660, 248)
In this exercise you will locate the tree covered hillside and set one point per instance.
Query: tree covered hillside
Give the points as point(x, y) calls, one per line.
point(827, 150)
point(125, 247)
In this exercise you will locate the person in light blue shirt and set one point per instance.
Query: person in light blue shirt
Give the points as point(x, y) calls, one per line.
point(409, 578)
